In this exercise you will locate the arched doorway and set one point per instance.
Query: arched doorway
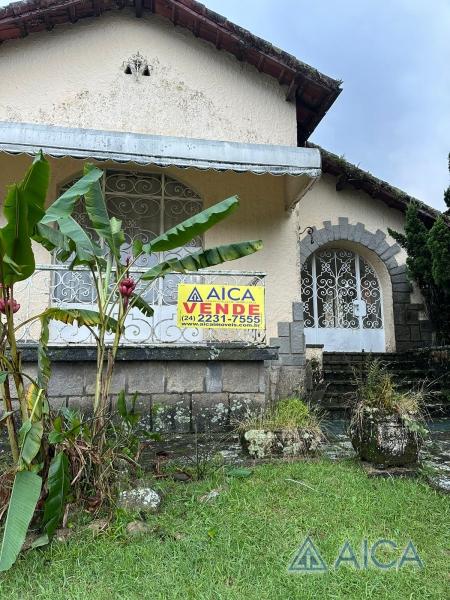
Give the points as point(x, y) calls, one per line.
point(343, 302)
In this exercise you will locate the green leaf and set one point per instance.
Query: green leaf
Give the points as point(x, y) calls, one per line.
point(239, 472)
point(90, 318)
point(23, 501)
point(122, 405)
point(202, 260)
point(44, 363)
point(22, 504)
point(34, 187)
point(51, 238)
point(64, 205)
point(42, 540)
point(15, 240)
point(191, 228)
point(3, 376)
point(58, 484)
point(141, 304)
point(137, 246)
point(108, 229)
point(23, 208)
point(31, 437)
point(56, 437)
point(118, 235)
point(85, 249)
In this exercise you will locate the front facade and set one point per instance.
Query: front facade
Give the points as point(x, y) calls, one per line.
point(178, 119)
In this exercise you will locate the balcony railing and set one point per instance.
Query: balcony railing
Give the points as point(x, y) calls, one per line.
point(55, 285)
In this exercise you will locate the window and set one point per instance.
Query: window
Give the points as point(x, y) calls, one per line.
point(147, 204)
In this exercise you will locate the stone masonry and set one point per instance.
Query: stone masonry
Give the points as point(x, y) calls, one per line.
point(173, 396)
point(286, 376)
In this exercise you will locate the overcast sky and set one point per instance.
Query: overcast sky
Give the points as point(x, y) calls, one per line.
point(393, 116)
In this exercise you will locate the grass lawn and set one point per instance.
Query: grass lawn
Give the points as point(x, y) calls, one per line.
point(240, 545)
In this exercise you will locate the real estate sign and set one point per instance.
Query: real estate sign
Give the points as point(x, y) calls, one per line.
point(221, 306)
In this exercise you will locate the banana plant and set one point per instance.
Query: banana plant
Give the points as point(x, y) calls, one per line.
point(24, 210)
point(116, 288)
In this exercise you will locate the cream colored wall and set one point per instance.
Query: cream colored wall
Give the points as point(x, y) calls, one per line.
point(73, 76)
point(324, 203)
point(261, 215)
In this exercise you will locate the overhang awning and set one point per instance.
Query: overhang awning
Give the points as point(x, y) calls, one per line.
point(260, 159)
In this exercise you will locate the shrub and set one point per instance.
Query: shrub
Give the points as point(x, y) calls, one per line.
point(289, 413)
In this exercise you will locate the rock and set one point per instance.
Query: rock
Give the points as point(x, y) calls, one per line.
point(181, 476)
point(383, 439)
point(259, 443)
point(210, 496)
point(440, 483)
point(98, 526)
point(136, 528)
point(140, 499)
point(63, 534)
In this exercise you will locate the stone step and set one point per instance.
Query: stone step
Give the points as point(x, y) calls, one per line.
point(330, 372)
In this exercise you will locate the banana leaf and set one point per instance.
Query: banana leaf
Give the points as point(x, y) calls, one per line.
point(64, 205)
point(142, 305)
point(90, 318)
point(58, 483)
point(50, 237)
point(80, 243)
point(30, 435)
point(23, 208)
point(108, 229)
point(190, 228)
point(22, 504)
point(204, 259)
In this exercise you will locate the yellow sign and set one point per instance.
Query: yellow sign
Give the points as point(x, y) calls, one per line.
point(220, 306)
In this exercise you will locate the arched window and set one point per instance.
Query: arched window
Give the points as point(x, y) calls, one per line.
point(148, 204)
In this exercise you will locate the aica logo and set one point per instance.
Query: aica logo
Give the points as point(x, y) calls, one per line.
point(195, 296)
point(308, 558)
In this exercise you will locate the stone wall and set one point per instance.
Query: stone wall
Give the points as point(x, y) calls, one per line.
point(286, 375)
point(173, 395)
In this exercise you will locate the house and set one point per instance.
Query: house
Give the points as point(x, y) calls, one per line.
point(182, 108)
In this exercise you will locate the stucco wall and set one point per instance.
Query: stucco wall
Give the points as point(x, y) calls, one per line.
point(73, 76)
point(324, 203)
point(261, 215)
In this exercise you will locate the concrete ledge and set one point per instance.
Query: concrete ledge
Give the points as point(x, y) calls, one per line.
point(213, 352)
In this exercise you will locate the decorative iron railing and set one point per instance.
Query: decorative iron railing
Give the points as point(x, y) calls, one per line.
point(55, 285)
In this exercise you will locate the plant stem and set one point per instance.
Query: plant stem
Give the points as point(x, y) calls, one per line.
point(10, 424)
point(15, 357)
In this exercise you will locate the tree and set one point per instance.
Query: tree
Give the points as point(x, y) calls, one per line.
point(428, 263)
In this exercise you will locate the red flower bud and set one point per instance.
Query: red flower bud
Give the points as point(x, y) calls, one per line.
point(126, 287)
point(12, 304)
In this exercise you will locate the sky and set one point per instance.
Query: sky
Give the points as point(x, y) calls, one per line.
point(393, 115)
